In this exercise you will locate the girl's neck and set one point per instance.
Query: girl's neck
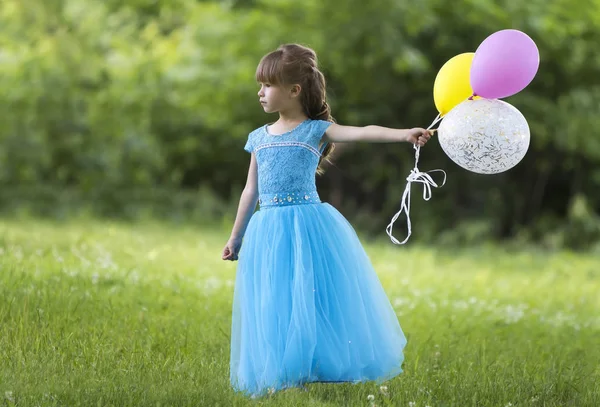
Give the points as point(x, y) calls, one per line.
point(286, 124)
point(292, 117)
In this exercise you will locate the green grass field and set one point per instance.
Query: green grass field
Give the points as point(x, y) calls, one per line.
point(105, 314)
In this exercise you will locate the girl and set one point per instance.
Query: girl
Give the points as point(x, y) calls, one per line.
point(308, 306)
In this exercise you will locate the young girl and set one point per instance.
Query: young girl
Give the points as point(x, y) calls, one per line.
point(308, 306)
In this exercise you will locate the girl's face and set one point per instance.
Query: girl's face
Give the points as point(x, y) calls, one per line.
point(277, 98)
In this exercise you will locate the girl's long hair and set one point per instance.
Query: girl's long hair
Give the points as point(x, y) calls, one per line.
point(296, 64)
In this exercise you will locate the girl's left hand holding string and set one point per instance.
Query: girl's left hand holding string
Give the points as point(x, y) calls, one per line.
point(419, 136)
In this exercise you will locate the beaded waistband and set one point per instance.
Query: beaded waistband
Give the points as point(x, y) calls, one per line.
point(288, 198)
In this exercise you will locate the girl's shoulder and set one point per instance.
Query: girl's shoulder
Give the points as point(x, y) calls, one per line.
point(253, 139)
point(308, 132)
point(315, 130)
point(319, 126)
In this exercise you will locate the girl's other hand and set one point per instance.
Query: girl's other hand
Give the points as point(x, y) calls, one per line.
point(231, 250)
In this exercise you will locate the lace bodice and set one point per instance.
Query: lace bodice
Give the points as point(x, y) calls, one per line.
point(287, 163)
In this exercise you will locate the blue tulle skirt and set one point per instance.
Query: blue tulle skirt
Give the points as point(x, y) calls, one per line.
point(308, 306)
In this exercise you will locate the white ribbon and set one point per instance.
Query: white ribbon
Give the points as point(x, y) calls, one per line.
point(419, 177)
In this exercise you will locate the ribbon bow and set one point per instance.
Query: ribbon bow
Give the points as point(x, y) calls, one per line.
point(418, 177)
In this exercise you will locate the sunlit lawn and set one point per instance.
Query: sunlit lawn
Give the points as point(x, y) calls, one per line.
point(99, 314)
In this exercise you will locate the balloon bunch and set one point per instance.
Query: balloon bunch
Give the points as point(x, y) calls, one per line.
point(478, 131)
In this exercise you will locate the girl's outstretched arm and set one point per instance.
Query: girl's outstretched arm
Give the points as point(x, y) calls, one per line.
point(245, 210)
point(376, 134)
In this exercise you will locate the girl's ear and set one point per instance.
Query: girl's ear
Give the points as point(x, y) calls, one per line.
point(295, 90)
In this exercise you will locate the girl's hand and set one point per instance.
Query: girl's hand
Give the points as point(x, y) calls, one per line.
point(419, 136)
point(231, 250)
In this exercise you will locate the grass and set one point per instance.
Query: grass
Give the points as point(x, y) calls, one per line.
point(106, 314)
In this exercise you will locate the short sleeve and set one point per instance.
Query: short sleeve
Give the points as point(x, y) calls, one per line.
point(249, 147)
point(319, 130)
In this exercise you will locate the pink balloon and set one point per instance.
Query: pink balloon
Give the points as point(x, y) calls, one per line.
point(504, 64)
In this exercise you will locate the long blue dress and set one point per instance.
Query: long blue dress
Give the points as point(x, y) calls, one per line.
point(308, 306)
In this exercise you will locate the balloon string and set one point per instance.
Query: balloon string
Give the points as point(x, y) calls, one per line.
point(419, 177)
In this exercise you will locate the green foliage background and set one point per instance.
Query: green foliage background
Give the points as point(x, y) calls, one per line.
point(120, 103)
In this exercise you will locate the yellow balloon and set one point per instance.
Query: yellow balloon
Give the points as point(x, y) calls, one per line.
point(453, 83)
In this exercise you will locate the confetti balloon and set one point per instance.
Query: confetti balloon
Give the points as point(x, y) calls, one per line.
point(486, 136)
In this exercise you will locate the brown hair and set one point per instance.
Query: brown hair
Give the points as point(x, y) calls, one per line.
point(296, 64)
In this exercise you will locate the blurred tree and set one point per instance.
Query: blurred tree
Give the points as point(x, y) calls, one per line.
point(161, 94)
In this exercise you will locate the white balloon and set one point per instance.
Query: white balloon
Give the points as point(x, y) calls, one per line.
point(486, 136)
